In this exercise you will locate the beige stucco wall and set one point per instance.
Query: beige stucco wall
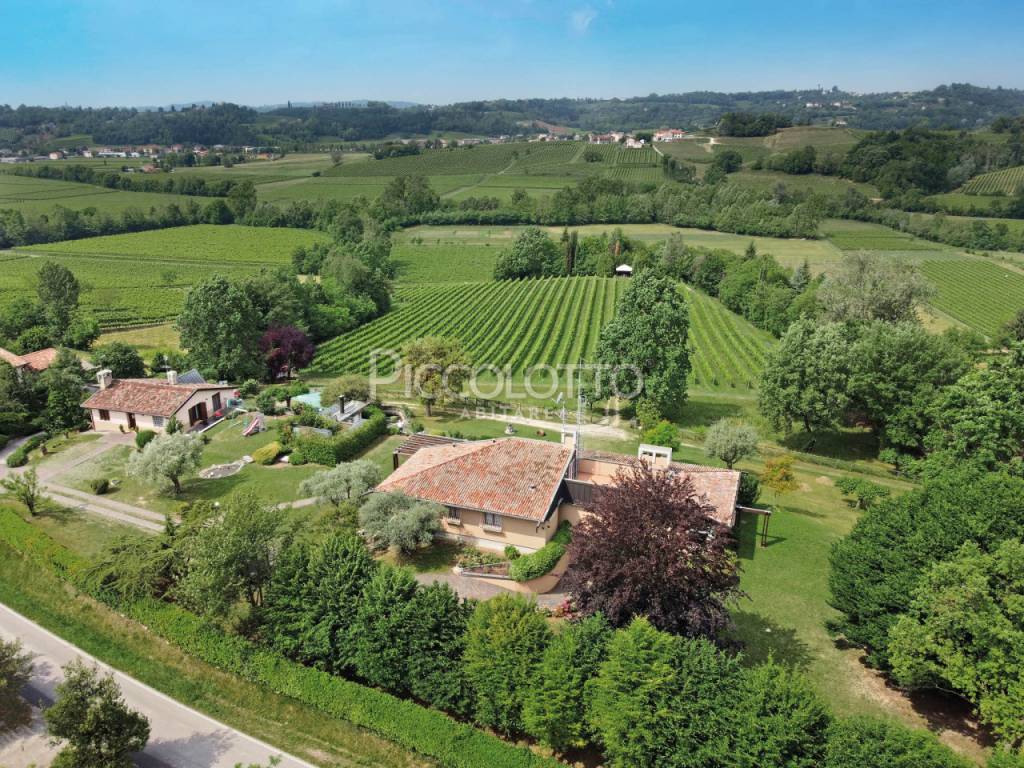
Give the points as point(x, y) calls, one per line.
point(523, 534)
point(119, 419)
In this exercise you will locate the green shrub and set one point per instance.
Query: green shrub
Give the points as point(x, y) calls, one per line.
point(297, 458)
point(249, 388)
point(142, 438)
point(19, 456)
point(267, 453)
point(99, 485)
point(344, 446)
point(544, 559)
point(512, 552)
point(749, 491)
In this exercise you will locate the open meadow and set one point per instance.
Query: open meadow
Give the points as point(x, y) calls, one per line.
point(142, 277)
point(34, 196)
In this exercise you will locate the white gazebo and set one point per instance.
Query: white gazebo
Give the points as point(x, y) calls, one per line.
point(623, 270)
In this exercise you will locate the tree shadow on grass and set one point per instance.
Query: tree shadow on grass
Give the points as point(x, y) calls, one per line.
point(699, 413)
point(748, 536)
point(761, 639)
point(845, 444)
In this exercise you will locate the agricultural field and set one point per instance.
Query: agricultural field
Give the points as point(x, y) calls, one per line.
point(811, 182)
point(823, 138)
point(959, 202)
point(976, 292)
point(142, 278)
point(864, 236)
point(34, 196)
point(552, 321)
point(208, 243)
point(1005, 182)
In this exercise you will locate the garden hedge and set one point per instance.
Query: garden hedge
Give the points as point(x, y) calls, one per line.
point(19, 456)
point(344, 446)
point(419, 729)
point(266, 454)
point(541, 562)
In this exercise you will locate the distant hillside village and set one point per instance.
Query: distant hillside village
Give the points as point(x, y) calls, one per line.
point(214, 155)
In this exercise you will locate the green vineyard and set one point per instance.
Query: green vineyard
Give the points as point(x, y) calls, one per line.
point(978, 293)
point(1005, 182)
point(552, 321)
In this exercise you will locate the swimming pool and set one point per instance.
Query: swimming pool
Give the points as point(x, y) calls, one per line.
point(312, 399)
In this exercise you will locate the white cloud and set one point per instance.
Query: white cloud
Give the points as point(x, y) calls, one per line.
point(581, 19)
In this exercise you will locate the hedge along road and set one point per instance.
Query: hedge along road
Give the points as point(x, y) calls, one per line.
point(180, 737)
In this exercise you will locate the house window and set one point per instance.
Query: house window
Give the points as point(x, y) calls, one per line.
point(104, 415)
point(453, 516)
point(158, 421)
point(492, 520)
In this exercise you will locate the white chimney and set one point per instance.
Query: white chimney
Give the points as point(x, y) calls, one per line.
point(172, 377)
point(105, 378)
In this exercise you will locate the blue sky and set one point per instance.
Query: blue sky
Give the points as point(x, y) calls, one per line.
point(96, 52)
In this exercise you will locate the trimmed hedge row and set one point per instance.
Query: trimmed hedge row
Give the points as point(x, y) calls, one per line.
point(344, 446)
point(19, 456)
point(426, 731)
point(544, 559)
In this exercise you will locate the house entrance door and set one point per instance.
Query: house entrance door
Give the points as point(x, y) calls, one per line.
point(131, 421)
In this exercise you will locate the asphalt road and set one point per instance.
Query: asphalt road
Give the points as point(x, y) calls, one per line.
point(180, 737)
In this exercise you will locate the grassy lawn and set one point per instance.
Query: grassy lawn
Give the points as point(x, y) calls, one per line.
point(153, 338)
point(438, 557)
point(82, 533)
point(131, 648)
point(275, 484)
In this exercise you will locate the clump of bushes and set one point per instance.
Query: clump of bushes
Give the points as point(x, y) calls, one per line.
point(544, 559)
point(511, 552)
point(266, 402)
point(267, 454)
point(345, 445)
point(861, 493)
point(19, 456)
point(99, 485)
point(142, 438)
point(249, 388)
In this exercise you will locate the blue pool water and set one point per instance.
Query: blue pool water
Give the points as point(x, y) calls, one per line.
point(311, 399)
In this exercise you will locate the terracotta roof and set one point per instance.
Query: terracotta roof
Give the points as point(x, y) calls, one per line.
point(718, 486)
point(516, 477)
point(15, 361)
point(40, 360)
point(147, 396)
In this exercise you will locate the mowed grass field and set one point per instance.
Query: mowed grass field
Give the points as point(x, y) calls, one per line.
point(142, 278)
point(41, 196)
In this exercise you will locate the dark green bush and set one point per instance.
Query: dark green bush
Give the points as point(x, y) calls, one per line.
point(345, 445)
point(142, 438)
point(99, 485)
point(544, 559)
point(19, 456)
point(512, 552)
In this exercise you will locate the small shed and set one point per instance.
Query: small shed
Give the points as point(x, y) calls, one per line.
point(623, 270)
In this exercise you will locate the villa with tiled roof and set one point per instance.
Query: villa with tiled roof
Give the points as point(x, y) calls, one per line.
point(516, 490)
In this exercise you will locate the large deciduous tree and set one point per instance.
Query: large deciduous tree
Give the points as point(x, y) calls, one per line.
point(285, 349)
point(867, 287)
point(438, 367)
point(804, 378)
point(896, 371)
point(122, 359)
point(645, 345)
point(230, 557)
point(58, 291)
point(91, 716)
point(649, 548)
point(533, 254)
point(221, 330)
point(166, 459)
point(15, 672)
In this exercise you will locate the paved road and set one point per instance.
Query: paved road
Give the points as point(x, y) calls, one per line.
point(180, 736)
